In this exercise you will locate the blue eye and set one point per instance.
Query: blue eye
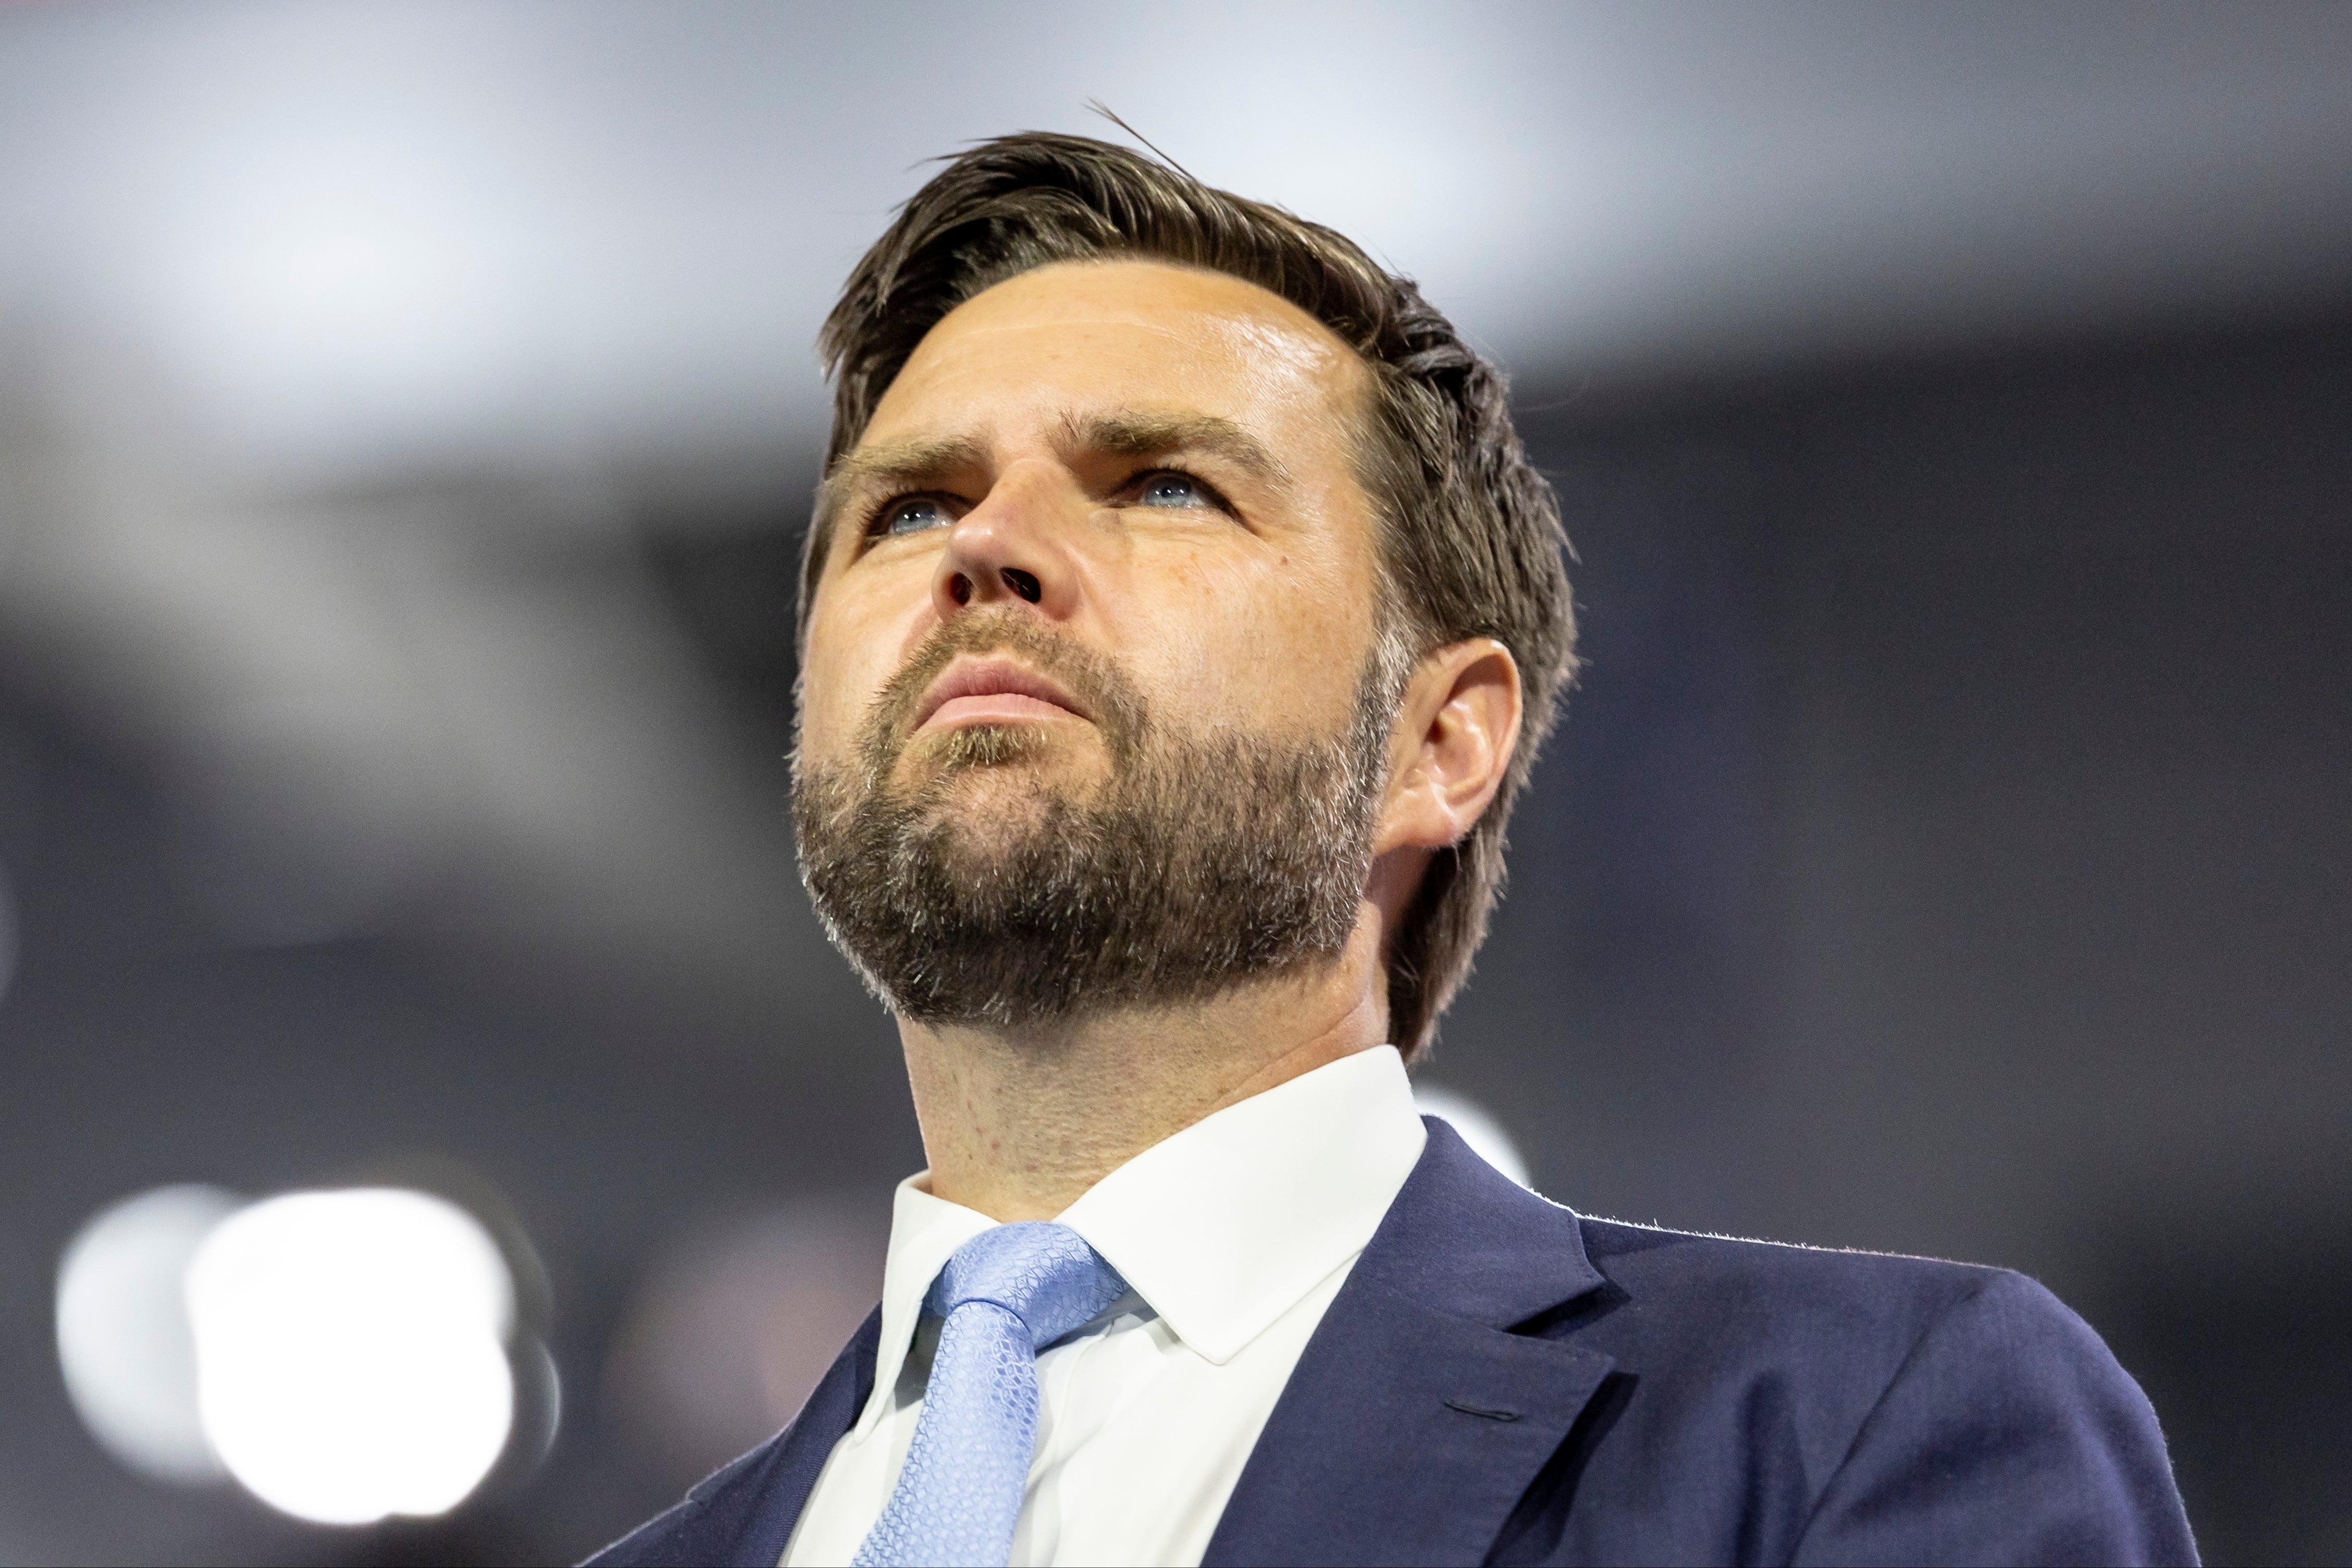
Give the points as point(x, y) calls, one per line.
point(1174, 490)
point(912, 516)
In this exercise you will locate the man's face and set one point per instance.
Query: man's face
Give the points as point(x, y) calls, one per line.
point(1099, 567)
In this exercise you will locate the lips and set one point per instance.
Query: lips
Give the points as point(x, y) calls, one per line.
point(998, 690)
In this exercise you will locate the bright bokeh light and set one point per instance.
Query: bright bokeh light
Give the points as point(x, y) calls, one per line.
point(350, 1351)
point(1478, 1129)
point(122, 1330)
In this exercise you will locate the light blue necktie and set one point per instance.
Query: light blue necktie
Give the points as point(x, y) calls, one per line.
point(1006, 1294)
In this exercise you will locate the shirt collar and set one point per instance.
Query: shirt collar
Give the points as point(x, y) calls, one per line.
point(1222, 1227)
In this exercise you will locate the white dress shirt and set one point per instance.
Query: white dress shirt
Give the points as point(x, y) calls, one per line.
point(1233, 1236)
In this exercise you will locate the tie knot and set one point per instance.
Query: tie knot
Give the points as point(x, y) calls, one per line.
point(1041, 1273)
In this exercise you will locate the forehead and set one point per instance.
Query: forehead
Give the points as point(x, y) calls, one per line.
point(1131, 335)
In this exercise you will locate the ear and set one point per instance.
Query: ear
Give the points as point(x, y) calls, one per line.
point(1455, 735)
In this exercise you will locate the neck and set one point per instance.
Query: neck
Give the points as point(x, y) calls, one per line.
point(1018, 1123)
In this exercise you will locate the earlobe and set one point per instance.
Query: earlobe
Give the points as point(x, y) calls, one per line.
point(1459, 726)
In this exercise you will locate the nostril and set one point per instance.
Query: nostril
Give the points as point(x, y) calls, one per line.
point(960, 589)
point(1023, 584)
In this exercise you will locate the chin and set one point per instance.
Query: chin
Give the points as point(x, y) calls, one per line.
point(984, 823)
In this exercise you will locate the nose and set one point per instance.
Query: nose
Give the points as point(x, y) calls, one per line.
point(1011, 549)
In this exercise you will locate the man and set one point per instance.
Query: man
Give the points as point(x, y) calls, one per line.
point(1179, 619)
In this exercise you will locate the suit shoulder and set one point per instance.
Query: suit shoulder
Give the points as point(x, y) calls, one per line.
point(1855, 1319)
point(1887, 1408)
point(1777, 1274)
point(1857, 1315)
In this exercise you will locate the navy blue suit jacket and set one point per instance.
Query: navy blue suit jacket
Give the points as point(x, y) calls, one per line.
point(1500, 1381)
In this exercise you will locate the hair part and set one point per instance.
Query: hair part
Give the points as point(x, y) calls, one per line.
point(1470, 540)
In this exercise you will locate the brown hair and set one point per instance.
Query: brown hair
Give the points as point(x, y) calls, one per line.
point(1471, 543)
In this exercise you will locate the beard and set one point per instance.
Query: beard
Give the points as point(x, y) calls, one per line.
point(975, 891)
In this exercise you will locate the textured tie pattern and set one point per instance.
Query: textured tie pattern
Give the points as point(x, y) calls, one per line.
point(1005, 1294)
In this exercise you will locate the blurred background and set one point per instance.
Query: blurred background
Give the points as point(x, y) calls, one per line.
point(407, 419)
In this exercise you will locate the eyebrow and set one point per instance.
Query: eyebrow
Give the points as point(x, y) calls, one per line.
point(901, 465)
point(1156, 435)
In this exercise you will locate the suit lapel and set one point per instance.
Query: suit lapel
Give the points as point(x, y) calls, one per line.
point(1414, 1419)
point(744, 1513)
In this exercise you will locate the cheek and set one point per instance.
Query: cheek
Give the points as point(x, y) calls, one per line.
point(1264, 645)
point(846, 665)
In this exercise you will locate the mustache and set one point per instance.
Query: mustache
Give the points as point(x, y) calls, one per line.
point(1112, 695)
